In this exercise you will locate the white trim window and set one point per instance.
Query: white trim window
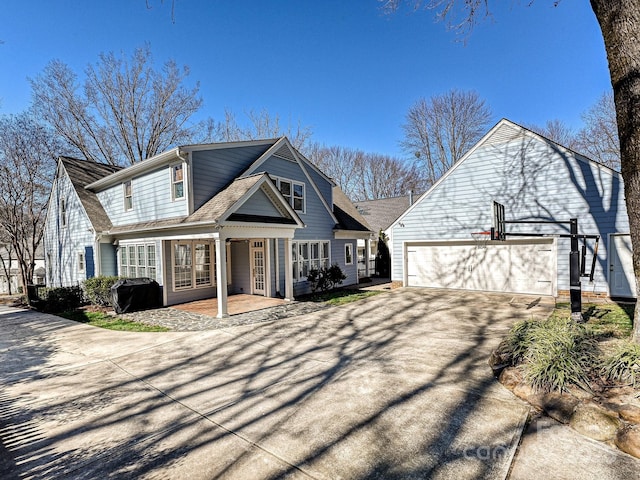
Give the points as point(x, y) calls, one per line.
point(138, 260)
point(307, 256)
point(177, 181)
point(293, 192)
point(348, 253)
point(193, 264)
point(128, 195)
point(82, 264)
point(63, 212)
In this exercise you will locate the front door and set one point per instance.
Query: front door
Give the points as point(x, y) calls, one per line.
point(257, 267)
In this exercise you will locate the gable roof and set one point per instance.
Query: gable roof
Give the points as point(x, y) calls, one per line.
point(82, 173)
point(171, 156)
point(283, 149)
point(347, 214)
point(382, 212)
point(222, 206)
point(501, 133)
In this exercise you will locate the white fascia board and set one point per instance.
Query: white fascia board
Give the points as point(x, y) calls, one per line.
point(268, 231)
point(262, 158)
point(350, 234)
point(313, 184)
point(218, 146)
point(276, 146)
point(269, 184)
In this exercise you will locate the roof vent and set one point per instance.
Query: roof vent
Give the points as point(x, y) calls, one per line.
point(504, 134)
point(285, 152)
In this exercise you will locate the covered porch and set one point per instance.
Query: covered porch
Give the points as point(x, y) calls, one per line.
point(236, 304)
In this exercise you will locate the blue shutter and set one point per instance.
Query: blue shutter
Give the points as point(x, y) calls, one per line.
point(89, 264)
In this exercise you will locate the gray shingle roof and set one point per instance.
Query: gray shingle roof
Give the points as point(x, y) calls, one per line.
point(82, 173)
point(211, 211)
point(346, 213)
point(381, 213)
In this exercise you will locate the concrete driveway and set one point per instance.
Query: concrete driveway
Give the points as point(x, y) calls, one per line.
point(395, 386)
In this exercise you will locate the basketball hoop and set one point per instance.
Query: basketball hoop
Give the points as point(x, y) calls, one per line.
point(481, 238)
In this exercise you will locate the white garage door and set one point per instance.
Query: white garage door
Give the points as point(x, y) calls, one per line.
point(517, 266)
point(621, 280)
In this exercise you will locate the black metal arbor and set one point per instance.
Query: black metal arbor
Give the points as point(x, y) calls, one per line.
point(577, 257)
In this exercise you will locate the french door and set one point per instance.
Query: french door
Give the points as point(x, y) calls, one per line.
point(258, 267)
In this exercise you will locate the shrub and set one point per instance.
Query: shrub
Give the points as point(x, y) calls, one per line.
point(325, 279)
point(98, 290)
point(514, 348)
point(624, 365)
point(63, 299)
point(560, 354)
point(555, 353)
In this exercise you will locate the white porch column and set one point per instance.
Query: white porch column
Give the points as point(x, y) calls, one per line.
point(221, 276)
point(367, 255)
point(288, 270)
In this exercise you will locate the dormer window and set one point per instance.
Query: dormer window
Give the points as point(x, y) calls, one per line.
point(292, 191)
point(128, 195)
point(177, 182)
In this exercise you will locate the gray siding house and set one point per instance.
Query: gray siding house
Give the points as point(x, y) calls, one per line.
point(536, 179)
point(203, 221)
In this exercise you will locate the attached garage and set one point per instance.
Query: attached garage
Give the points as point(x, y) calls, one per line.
point(527, 265)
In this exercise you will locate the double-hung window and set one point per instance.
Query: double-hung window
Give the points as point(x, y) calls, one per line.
point(128, 195)
point(177, 181)
point(348, 253)
point(293, 192)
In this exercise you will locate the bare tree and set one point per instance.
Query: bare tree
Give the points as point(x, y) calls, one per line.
point(124, 112)
point(598, 139)
point(261, 124)
point(367, 176)
point(28, 151)
point(619, 22)
point(556, 130)
point(6, 255)
point(441, 129)
point(343, 165)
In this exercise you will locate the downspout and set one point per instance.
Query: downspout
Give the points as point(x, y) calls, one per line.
point(97, 261)
point(277, 260)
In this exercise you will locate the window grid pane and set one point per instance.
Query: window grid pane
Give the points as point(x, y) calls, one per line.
point(203, 264)
point(182, 266)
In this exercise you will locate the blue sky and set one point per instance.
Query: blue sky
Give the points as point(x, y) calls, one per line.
point(340, 66)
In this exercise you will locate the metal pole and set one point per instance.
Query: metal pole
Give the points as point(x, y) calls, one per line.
point(574, 274)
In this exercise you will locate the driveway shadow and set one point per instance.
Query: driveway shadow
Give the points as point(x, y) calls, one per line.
point(393, 386)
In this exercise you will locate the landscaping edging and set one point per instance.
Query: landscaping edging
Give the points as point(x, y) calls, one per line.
point(612, 417)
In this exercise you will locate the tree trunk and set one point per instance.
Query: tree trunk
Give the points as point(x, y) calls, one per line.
point(620, 24)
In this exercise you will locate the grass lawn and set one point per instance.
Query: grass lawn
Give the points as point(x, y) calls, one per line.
point(103, 320)
point(604, 320)
point(339, 297)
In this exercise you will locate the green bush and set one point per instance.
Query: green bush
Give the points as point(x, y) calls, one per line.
point(514, 348)
point(555, 353)
point(624, 365)
point(63, 299)
point(325, 279)
point(97, 290)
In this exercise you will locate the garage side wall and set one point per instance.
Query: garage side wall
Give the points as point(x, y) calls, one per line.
point(536, 180)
